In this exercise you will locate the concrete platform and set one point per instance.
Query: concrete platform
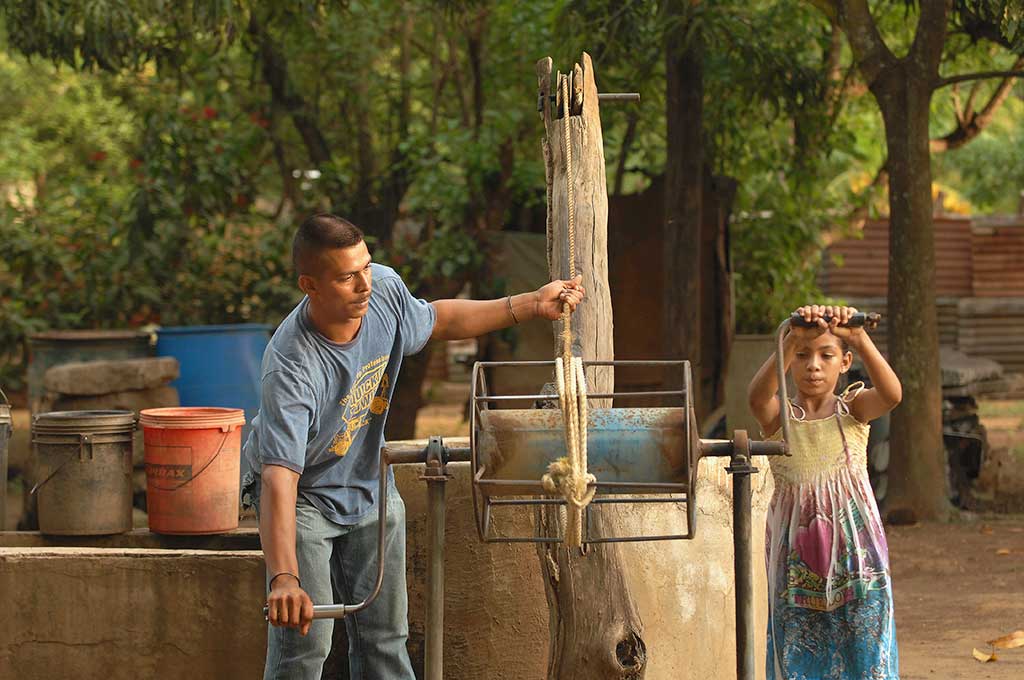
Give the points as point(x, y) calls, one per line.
point(141, 606)
point(130, 613)
point(242, 539)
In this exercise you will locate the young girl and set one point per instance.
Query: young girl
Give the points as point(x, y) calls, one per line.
point(830, 597)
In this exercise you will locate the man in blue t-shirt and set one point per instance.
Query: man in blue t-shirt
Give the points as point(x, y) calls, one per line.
point(328, 377)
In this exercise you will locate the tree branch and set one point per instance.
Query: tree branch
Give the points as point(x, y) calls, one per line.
point(457, 81)
point(834, 80)
point(870, 52)
point(930, 35)
point(959, 111)
point(474, 52)
point(283, 93)
point(970, 124)
point(969, 104)
point(981, 75)
point(827, 7)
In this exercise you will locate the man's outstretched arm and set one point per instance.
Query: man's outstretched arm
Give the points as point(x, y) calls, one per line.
point(462, 319)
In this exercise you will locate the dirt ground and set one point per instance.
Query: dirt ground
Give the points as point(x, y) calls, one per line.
point(956, 586)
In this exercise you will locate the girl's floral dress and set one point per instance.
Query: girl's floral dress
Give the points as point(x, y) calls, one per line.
point(830, 613)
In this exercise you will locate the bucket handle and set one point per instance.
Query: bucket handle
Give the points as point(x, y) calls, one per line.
point(227, 432)
point(83, 440)
point(6, 400)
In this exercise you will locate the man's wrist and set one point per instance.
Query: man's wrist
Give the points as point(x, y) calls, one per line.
point(525, 305)
point(284, 578)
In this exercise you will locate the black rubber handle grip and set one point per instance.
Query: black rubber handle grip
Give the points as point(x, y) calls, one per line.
point(860, 319)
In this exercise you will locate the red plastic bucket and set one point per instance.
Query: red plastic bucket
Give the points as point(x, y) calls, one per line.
point(192, 468)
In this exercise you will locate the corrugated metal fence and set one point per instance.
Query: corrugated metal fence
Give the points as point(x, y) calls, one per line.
point(979, 283)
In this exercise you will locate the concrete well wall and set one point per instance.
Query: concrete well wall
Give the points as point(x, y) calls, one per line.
point(139, 613)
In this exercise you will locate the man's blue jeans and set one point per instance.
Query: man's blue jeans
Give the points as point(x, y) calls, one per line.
point(339, 564)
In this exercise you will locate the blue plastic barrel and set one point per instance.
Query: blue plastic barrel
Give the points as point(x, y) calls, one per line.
point(220, 365)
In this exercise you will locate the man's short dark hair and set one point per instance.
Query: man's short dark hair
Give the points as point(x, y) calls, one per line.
point(318, 233)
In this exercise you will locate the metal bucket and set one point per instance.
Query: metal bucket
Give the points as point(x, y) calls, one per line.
point(6, 425)
point(85, 464)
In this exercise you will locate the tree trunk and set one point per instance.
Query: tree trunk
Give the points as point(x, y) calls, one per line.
point(594, 623)
point(684, 189)
point(903, 88)
point(408, 395)
point(717, 322)
point(918, 472)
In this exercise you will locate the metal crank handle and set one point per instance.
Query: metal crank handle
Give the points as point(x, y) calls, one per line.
point(858, 320)
point(327, 611)
point(340, 611)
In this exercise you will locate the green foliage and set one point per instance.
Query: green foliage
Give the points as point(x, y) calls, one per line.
point(775, 120)
point(152, 176)
point(121, 213)
point(989, 172)
point(163, 201)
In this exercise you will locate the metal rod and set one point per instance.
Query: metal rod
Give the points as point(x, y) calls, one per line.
point(724, 448)
point(527, 501)
point(536, 483)
point(516, 397)
point(460, 454)
point(497, 364)
point(742, 564)
point(598, 395)
point(340, 611)
point(511, 482)
point(520, 539)
point(657, 499)
point(665, 486)
point(436, 480)
point(561, 501)
point(635, 362)
point(962, 435)
point(652, 393)
point(595, 362)
point(780, 374)
point(638, 539)
point(601, 96)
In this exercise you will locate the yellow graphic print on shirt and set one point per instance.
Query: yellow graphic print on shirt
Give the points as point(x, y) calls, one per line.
point(368, 395)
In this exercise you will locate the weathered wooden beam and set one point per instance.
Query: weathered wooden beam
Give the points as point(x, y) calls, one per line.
point(594, 623)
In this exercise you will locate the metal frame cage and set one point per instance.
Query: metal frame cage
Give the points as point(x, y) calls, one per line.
point(511, 448)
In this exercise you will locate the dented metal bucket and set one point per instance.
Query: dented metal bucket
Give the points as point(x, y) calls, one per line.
point(85, 467)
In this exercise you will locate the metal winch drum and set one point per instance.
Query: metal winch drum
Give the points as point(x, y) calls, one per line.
point(638, 455)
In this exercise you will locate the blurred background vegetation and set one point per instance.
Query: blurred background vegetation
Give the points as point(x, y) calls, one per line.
point(155, 156)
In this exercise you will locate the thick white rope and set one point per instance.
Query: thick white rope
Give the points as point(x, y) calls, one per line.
point(568, 476)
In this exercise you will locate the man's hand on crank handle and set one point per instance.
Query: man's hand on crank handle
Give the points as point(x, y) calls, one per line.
point(289, 605)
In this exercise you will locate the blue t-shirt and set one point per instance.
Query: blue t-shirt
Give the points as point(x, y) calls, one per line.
point(324, 404)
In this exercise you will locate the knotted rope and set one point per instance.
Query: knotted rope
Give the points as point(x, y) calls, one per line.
point(568, 476)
